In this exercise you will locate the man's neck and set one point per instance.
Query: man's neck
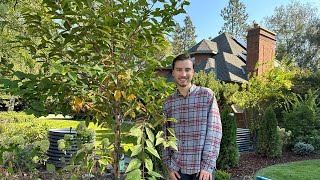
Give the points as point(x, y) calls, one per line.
point(184, 90)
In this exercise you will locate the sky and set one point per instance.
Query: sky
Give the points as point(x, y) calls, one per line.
point(205, 14)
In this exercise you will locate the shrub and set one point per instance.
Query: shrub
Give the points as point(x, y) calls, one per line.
point(15, 117)
point(313, 138)
point(269, 143)
point(302, 148)
point(221, 175)
point(229, 152)
point(284, 135)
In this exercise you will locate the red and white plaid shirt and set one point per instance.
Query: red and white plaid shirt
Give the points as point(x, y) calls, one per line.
point(198, 130)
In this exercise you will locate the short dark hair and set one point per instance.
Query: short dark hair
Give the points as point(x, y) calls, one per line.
point(181, 57)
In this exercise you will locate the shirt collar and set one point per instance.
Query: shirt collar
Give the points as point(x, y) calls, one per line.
point(192, 88)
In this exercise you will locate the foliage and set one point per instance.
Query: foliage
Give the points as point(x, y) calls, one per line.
point(223, 91)
point(183, 37)
point(221, 175)
point(269, 143)
point(97, 57)
point(229, 152)
point(313, 138)
point(20, 155)
point(15, 117)
point(301, 148)
point(235, 18)
point(284, 135)
point(302, 119)
point(297, 29)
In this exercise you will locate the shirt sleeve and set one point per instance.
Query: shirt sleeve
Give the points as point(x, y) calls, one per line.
point(213, 137)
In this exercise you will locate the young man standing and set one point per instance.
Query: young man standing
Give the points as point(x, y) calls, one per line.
point(198, 127)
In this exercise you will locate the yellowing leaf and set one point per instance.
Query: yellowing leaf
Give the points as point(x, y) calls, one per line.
point(117, 95)
point(120, 76)
point(131, 97)
point(123, 94)
point(77, 104)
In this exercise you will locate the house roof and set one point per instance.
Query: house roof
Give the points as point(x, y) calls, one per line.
point(204, 46)
point(226, 57)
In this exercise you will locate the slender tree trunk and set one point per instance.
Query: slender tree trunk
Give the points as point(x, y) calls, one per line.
point(11, 103)
point(117, 132)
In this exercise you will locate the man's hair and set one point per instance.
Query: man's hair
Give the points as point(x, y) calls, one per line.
point(181, 57)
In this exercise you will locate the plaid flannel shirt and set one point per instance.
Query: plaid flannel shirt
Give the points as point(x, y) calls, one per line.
point(198, 130)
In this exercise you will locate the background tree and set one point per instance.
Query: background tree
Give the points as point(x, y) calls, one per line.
point(184, 37)
point(297, 29)
point(97, 56)
point(11, 25)
point(269, 143)
point(235, 18)
point(229, 152)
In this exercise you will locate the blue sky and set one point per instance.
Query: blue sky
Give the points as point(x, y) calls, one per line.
point(205, 14)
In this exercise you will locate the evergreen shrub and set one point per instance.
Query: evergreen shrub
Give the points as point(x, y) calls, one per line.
point(269, 143)
point(229, 152)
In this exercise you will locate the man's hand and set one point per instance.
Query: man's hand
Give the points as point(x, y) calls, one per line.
point(174, 175)
point(205, 175)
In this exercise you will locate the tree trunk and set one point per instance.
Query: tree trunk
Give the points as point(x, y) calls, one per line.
point(117, 150)
point(11, 103)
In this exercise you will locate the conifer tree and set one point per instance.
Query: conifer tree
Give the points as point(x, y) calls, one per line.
point(184, 37)
point(229, 153)
point(269, 143)
point(235, 18)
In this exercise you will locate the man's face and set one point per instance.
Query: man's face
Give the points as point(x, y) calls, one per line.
point(183, 72)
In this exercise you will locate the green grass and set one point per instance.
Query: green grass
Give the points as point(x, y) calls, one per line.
point(306, 170)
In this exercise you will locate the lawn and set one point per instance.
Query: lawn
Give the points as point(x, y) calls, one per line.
point(306, 170)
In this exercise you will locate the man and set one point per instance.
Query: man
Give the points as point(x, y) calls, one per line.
point(198, 127)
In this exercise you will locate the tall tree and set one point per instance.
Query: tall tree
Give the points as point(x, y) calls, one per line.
point(184, 37)
point(98, 57)
point(177, 43)
point(297, 28)
point(235, 18)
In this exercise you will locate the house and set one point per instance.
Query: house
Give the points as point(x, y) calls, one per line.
point(233, 61)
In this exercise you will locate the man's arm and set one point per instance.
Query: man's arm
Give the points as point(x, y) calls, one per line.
point(213, 137)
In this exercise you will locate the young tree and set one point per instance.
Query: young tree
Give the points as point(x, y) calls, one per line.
point(98, 56)
point(184, 37)
point(269, 143)
point(229, 152)
point(297, 29)
point(235, 18)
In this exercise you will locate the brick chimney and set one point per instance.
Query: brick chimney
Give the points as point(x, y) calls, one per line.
point(261, 44)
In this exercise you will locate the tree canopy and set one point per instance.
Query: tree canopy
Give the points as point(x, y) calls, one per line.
point(297, 28)
point(235, 18)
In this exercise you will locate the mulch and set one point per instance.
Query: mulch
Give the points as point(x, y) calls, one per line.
point(250, 163)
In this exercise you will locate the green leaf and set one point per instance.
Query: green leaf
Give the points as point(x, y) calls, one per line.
point(153, 151)
point(149, 164)
point(68, 167)
point(149, 143)
point(74, 177)
point(150, 134)
point(135, 131)
point(134, 164)
point(159, 134)
point(159, 141)
point(103, 161)
point(134, 175)
point(136, 150)
point(50, 168)
point(171, 131)
point(72, 76)
point(173, 144)
point(155, 174)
